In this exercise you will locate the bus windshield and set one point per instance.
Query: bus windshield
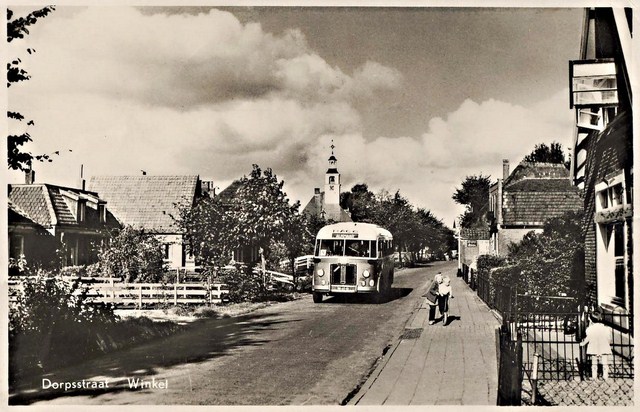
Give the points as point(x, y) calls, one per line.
point(348, 247)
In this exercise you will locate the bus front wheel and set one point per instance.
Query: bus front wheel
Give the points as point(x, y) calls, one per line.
point(317, 297)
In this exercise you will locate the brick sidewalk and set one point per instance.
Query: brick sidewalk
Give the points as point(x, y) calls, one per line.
point(436, 365)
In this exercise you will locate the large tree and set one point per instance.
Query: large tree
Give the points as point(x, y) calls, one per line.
point(474, 195)
point(257, 214)
point(17, 28)
point(546, 154)
point(360, 202)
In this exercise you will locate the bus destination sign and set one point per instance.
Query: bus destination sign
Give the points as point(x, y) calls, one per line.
point(344, 233)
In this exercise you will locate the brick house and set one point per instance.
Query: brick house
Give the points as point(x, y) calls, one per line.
point(602, 167)
point(151, 203)
point(51, 225)
point(522, 201)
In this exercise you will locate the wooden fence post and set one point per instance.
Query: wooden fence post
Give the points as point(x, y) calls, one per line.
point(175, 293)
point(140, 296)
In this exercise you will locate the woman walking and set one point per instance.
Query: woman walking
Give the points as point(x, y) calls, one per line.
point(432, 297)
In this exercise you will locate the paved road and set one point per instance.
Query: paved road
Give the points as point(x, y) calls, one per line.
point(294, 353)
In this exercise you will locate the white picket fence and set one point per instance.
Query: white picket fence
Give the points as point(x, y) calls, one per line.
point(110, 290)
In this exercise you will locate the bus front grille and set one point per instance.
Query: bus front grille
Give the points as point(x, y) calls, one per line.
point(343, 274)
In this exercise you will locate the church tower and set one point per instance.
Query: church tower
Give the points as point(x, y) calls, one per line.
point(332, 181)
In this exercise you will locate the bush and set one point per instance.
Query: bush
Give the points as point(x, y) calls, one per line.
point(52, 321)
point(205, 312)
point(134, 255)
point(244, 285)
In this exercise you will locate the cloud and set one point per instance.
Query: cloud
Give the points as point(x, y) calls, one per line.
point(204, 94)
point(185, 61)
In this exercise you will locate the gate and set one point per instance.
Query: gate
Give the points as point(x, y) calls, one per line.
point(542, 363)
point(509, 367)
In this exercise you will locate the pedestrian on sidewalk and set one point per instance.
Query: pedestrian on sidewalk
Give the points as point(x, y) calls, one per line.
point(597, 339)
point(444, 293)
point(432, 297)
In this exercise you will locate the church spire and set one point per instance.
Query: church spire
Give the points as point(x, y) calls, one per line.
point(332, 180)
point(332, 160)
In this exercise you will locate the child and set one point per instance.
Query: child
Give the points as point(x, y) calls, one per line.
point(444, 293)
point(599, 349)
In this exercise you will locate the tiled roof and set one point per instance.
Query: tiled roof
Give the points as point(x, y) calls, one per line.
point(229, 192)
point(314, 206)
point(332, 212)
point(17, 215)
point(63, 213)
point(47, 206)
point(536, 170)
point(534, 201)
point(475, 234)
point(35, 202)
point(146, 202)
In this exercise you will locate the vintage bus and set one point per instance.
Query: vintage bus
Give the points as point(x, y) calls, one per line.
point(353, 258)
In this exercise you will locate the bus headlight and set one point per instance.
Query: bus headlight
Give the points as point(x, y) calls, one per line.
point(371, 282)
point(366, 273)
point(320, 272)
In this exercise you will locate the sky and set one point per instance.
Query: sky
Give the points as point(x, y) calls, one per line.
point(414, 99)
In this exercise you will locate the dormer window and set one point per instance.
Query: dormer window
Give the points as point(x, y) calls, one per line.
point(81, 213)
point(611, 193)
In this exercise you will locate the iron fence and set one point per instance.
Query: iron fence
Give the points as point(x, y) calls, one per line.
point(497, 296)
point(540, 344)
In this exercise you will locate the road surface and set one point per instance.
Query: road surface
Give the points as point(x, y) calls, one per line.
point(293, 353)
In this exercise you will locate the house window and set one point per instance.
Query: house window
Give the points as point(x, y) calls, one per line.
point(16, 246)
point(102, 212)
point(166, 248)
point(620, 268)
point(593, 83)
point(610, 193)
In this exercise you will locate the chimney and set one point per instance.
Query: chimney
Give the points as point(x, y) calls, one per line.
point(83, 182)
point(316, 191)
point(505, 168)
point(29, 176)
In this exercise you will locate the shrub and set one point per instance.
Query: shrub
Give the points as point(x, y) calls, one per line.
point(205, 312)
point(52, 321)
point(134, 255)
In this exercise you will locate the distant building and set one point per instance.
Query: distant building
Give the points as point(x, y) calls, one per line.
point(50, 225)
point(326, 204)
point(601, 95)
point(524, 200)
point(151, 203)
point(472, 242)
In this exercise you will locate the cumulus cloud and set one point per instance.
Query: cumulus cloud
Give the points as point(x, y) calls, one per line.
point(205, 94)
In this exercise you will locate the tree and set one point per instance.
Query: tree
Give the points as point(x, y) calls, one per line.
point(474, 195)
point(205, 227)
point(17, 28)
point(360, 202)
point(546, 154)
point(134, 255)
point(260, 210)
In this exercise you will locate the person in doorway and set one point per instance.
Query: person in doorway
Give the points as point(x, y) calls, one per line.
point(597, 339)
point(444, 293)
point(432, 297)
